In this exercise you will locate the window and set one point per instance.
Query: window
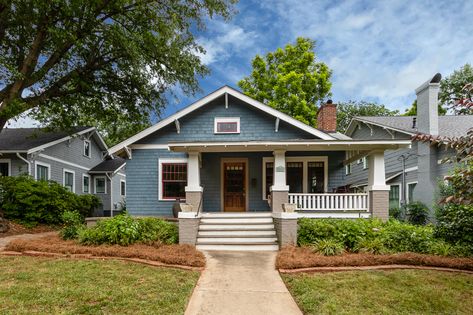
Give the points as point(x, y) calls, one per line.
point(394, 197)
point(68, 180)
point(173, 180)
point(365, 162)
point(87, 148)
point(122, 188)
point(85, 184)
point(42, 171)
point(100, 185)
point(305, 174)
point(348, 169)
point(359, 161)
point(410, 192)
point(5, 166)
point(227, 125)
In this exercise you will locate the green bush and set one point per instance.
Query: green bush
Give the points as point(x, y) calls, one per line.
point(455, 225)
point(73, 222)
point(372, 246)
point(32, 202)
point(328, 247)
point(125, 230)
point(417, 213)
point(403, 237)
point(396, 213)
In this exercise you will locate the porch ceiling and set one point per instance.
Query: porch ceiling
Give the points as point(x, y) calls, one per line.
point(316, 145)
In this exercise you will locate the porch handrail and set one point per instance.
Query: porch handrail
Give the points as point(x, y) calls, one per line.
point(330, 201)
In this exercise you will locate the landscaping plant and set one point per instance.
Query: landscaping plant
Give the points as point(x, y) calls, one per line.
point(329, 247)
point(417, 213)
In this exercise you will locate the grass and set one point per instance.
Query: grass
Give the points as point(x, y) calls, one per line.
point(64, 286)
point(382, 292)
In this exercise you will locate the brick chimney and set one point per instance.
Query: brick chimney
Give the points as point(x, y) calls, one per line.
point(327, 117)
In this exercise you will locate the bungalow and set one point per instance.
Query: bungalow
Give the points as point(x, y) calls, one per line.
point(78, 160)
point(242, 167)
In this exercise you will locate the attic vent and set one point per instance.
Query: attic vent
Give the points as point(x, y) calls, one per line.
point(414, 122)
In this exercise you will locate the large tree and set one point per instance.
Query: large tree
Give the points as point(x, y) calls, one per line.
point(452, 88)
point(75, 61)
point(412, 111)
point(347, 110)
point(290, 80)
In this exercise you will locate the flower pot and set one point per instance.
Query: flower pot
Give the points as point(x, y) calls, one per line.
point(289, 207)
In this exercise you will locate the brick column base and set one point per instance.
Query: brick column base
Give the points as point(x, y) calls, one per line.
point(286, 228)
point(278, 198)
point(194, 198)
point(188, 228)
point(379, 204)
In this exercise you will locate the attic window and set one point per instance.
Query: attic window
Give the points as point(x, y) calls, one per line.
point(227, 125)
point(87, 148)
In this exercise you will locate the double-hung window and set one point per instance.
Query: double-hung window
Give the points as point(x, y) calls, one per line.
point(100, 185)
point(122, 188)
point(42, 171)
point(68, 180)
point(86, 184)
point(5, 166)
point(394, 197)
point(410, 192)
point(87, 148)
point(173, 177)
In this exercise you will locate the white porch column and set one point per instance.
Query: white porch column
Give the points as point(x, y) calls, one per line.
point(193, 188)
point(377, 189)
point(279, 189)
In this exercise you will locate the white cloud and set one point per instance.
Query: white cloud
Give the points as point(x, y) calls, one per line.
point(23, 121)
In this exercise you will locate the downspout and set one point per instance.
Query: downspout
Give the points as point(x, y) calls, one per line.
point(111, 193)
point(26, 161)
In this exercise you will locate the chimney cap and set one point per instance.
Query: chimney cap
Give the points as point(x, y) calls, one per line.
point(329, 102)
point(436, 78)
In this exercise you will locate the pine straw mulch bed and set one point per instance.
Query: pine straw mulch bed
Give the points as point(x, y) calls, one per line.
point(176, 255)
point(291, 258)
point(17, 229)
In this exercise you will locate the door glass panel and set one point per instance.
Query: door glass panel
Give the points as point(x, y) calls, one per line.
point(294, 175)
point(315, 177)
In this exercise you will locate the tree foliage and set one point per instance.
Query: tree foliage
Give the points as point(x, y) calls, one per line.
point(290, 80)
point(412, 111)
point(453, 89)
point(70, 60)
point(346, 111)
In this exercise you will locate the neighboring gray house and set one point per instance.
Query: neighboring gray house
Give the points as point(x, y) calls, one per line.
point(78, 160)
point(423, 163)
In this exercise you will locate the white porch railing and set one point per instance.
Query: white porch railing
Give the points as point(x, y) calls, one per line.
point(330, 202)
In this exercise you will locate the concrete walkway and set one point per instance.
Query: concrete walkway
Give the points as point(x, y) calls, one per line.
point(241, 283)
point(5, 240)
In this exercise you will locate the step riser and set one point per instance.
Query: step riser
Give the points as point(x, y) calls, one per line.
point(236, 240)
point(237, 221)
point(218, 227)
point(239, 247)
point(236, 234)
point(236, 215)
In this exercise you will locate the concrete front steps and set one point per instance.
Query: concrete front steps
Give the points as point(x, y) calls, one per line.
point(237, 231)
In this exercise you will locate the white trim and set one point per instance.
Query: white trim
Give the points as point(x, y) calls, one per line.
point(49, 144)
point(351, 129)
point(8, 161)
point(90, 149)
point(205, 100)
point(36, 163)
point(285, 215)
point(149, 146)
point(407, 190)
point(122, 181)
point(305, 160)
point(62, 161)
point(160, 176)
point(218, 120)
point(365, 162)
point(348, 169)
point(90, 186)
point(121, 174)
point(95, 184)
point(410, 169)
point(64, 171)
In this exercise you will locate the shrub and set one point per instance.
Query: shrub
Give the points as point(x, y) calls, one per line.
point(417, 213)
point(125, 230)
point(72, 223)
point(402, 237)
point(395, 213)
point(440, 247)
point(328, 247)
point(372, 246)
point(31, 202)
point(455, 224)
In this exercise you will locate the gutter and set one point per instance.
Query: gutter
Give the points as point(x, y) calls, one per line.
point(26, 161)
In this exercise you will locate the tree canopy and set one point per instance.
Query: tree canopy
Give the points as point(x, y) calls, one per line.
point(452, 88)
point(347, 110)
point(290, 80)
point(76, 61)
point(412, 111)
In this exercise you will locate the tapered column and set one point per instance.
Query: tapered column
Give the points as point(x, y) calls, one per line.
point(378, 191)
point(279, 190)
point(194, 189)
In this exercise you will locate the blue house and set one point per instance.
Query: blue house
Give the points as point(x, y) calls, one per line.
point(242, 166)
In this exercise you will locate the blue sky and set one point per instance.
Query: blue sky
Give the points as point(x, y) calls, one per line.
point(378, 50)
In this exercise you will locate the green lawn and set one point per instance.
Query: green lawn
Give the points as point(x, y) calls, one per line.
point(382, 292)
point(64, 286)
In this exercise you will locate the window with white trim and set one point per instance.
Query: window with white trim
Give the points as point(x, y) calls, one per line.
point(122, 188)
point(68, 180)
point(85, 184)
point(365, 162)
point(410, 192)
point(100, 185)
point(224, 125)
point(348, 169)
point(43, 171)
point(394, 197)
point(5, 167)
point(173, 180)
point(87, 148)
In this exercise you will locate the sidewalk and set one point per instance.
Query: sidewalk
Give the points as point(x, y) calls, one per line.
point(241, 283)
point(5, 240)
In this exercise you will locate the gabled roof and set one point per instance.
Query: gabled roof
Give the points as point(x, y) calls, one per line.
point(449, 126)
point(212, 96)
point(33, 139)
point(109, 165)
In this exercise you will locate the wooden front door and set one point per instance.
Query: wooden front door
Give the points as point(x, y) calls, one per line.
point(234, 186)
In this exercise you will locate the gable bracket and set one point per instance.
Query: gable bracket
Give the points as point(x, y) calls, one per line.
point(226, 100)
point(128, 152)
point(178, 126)
point(370, 127)
point(391, 133)
point(276, 125)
